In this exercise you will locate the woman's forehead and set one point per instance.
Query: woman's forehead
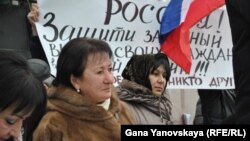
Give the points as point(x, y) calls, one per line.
point(98, 57)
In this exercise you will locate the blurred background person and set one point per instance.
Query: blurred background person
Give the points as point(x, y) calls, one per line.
point(214, 106)
point(21, 93)
point(35, 45)
point(239, 19)
point(41, 71)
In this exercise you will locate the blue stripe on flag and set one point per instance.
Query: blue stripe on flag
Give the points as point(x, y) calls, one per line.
point(171, 18)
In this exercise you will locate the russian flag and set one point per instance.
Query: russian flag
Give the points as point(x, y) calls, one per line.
point(178, 18)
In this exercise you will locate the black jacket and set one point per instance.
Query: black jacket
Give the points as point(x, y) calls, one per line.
point(239, 18)
point(214, 106)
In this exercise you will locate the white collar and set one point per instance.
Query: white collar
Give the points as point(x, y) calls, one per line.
point(105, 104)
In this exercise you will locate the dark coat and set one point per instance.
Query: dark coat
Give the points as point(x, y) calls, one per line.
point(239, 18)
point(214, 106)
point(71, 117)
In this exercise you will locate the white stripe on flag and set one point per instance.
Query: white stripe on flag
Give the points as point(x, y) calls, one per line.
point(184, 9)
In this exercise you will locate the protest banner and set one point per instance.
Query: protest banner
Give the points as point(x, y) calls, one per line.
point(132, 27)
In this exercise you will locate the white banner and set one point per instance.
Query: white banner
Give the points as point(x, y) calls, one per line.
point(132, 27)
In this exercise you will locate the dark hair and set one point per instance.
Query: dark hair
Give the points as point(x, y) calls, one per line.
point(139, 67)
point(161, 59)
point(74, 56)
point(19, 88)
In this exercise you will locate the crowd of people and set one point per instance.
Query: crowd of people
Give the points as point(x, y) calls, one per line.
point(81, 101)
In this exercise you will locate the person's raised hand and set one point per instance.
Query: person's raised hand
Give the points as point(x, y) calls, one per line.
point(33, 14)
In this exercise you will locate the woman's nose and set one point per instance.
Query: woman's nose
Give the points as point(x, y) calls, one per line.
point(161, 79)
point(109, 78)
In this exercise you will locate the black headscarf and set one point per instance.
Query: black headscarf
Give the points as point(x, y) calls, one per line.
point(139, 67)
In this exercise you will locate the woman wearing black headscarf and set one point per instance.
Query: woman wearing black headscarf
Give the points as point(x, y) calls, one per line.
point(144, 89)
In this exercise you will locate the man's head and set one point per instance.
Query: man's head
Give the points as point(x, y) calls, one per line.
point(39, 68)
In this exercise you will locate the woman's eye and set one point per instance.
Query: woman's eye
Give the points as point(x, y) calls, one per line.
point(10, 121)
point(155, 73)
point(110, 69)
point(99, 72)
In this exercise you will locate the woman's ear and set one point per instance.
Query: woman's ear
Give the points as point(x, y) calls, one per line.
point(46, 87)
point(74, 81)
